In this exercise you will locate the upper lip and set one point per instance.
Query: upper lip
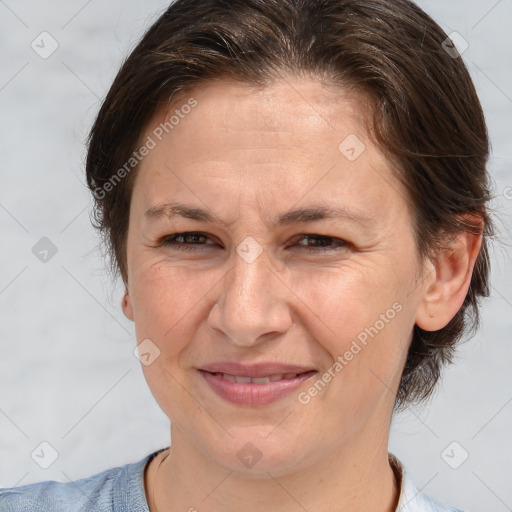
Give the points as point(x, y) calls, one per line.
point(254, 370)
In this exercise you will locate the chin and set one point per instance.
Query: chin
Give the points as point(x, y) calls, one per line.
point(256, 455)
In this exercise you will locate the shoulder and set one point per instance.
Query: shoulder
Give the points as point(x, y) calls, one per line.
point(94, 492)
point(412, 500)
point(117, 489)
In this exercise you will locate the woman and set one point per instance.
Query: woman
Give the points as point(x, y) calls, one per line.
point(295, 196)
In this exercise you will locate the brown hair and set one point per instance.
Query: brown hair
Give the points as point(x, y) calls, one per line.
point(427, 118)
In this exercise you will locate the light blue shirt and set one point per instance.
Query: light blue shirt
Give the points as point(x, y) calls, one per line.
point(121, 489)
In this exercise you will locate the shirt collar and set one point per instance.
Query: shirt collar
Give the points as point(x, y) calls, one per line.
point(410, 497)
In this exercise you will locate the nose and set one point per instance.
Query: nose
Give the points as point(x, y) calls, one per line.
point(252, 306)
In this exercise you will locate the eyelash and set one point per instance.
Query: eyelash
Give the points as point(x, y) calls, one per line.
point(169, 241)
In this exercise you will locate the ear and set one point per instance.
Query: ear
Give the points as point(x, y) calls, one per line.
point(444, 294)
point(126, 305)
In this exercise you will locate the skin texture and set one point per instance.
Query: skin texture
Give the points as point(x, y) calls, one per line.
point(246, 156)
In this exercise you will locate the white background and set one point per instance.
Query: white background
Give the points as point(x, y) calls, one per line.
point(67, 372)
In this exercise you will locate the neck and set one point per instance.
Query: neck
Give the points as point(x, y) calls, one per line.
point(357, 477)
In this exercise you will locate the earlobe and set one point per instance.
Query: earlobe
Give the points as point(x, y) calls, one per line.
point(126, 305)
point(443, 296)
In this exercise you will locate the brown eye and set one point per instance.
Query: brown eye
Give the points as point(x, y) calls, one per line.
point(321, 243)
point(185, 241)
point(190, 240)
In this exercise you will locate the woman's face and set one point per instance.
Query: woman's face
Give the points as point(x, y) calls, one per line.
point(246, 288)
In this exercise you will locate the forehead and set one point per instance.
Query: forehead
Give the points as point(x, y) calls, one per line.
point(288, 110)
point(293, 140)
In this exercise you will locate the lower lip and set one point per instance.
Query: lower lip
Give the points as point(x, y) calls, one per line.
point(254, 394)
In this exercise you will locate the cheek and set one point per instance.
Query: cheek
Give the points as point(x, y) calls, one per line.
point(166, 302)
point(361, 320)
point(343, 302)
point(167, 306)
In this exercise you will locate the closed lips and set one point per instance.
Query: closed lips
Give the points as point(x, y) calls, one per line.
point(256, 384)
point(258, 380)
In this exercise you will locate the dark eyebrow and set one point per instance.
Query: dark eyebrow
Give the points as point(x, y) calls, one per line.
point(301, 215)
